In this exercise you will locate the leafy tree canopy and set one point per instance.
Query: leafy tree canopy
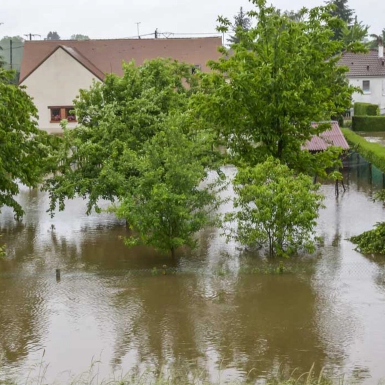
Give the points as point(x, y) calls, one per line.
point(24, 149)
point(79, 36)
point(354, 32)
point(341, 10)
point(53, 35)
point(377, 39)
point(280, 77)
point(166, 203)
point(276, 208)
point(241, 23)
point(116, 118)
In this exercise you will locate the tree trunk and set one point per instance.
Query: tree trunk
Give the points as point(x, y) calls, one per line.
point(172, 252)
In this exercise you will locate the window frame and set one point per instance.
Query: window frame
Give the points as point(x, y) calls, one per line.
point(366, 91)
point(64, 113)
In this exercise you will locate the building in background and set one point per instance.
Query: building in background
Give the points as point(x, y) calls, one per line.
point(367, 71)
point(55, 71)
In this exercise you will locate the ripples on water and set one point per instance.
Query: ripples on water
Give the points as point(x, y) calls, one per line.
point(208, 313)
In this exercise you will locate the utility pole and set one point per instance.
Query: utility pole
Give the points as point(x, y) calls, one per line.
point(156, 33)
point(137, 27)
point(10, 54)
point(31, 34)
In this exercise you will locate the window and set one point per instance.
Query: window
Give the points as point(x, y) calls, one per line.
point(195, 69)
point(62, 112)
point(366, 86)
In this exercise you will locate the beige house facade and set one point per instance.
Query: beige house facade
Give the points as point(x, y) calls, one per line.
point(54, 72)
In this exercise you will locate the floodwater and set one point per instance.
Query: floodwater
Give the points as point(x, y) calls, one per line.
point(374, 137)
point(210, 313)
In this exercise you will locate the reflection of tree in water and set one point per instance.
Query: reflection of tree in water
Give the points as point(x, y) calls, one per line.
point(157, 317)
point(22, 316)
point(255, 323)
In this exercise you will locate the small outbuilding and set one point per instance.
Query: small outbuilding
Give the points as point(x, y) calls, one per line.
point(331, 137)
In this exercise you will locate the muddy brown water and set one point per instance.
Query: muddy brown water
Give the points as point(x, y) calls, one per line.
point(209, 313)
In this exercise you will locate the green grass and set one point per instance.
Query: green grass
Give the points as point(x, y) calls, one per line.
point(372, 152)
point(185, 377)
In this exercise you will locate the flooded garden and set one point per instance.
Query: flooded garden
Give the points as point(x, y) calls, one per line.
point(218, 311)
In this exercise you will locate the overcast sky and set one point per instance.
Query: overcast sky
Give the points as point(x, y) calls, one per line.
point(117, 18)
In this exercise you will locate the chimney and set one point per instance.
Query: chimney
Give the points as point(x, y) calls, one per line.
point(380, 49)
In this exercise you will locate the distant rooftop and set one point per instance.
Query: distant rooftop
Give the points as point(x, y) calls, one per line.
point(106, 55)
point(364, 64)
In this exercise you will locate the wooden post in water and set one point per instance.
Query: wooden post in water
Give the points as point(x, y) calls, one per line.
point(57, 275)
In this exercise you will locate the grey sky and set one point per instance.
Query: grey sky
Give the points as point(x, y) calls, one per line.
point(117, 18)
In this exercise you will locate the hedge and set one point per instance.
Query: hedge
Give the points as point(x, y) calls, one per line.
point(372, 152)
point(366, 109)
point(368, 123)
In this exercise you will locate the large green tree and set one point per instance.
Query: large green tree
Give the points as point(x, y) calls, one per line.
point(354, 32)
point(241, 23)
point(280, 77)
point(24, 149)
point(341, 10)
point(276, 208)
point(15, 51)
point(115, 117)
point(166, 202)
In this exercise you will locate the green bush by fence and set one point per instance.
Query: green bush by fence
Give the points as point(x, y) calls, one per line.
point(361, 109)
point(368, 123)
point(372, 152)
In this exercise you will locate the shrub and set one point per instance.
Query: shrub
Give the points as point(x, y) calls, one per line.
point(362, 109)
point(276, 208)
point(368, 123)
point(372, 152)
point(372, 241)
point(347, 124)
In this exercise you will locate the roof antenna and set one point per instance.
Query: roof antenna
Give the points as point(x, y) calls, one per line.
point(31, 34)
point(137, 27)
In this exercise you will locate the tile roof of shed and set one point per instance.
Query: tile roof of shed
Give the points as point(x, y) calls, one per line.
point(332, 137)
point(364, 64)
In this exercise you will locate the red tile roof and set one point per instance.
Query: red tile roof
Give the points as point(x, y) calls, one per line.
point(363, 64)
point(332, 137)
point(106, 56)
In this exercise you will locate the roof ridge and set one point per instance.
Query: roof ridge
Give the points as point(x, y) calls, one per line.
point(68, 49)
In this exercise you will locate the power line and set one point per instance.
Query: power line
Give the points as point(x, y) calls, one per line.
point(7, 49)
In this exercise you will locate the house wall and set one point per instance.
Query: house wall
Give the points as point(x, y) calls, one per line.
point(56, 82)
point(376, 94)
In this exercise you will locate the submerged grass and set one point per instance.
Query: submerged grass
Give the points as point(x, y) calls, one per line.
point(91, 377)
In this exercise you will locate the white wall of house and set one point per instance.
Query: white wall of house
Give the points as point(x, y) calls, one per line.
point(376, 94)
point(56, 82)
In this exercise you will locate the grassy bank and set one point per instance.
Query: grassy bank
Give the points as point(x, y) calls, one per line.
point(372, 152)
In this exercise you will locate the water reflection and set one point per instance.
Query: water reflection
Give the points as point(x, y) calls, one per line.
point(205, 314)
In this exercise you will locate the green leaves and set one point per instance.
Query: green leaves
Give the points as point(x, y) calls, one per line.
point(372, 241)
point(166, 204)
point(280, 77)
point(25, 151)
point(276, 209)
point(117, 118)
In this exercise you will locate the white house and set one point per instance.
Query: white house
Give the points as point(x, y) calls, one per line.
point(367, 71)
point(55, 71)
